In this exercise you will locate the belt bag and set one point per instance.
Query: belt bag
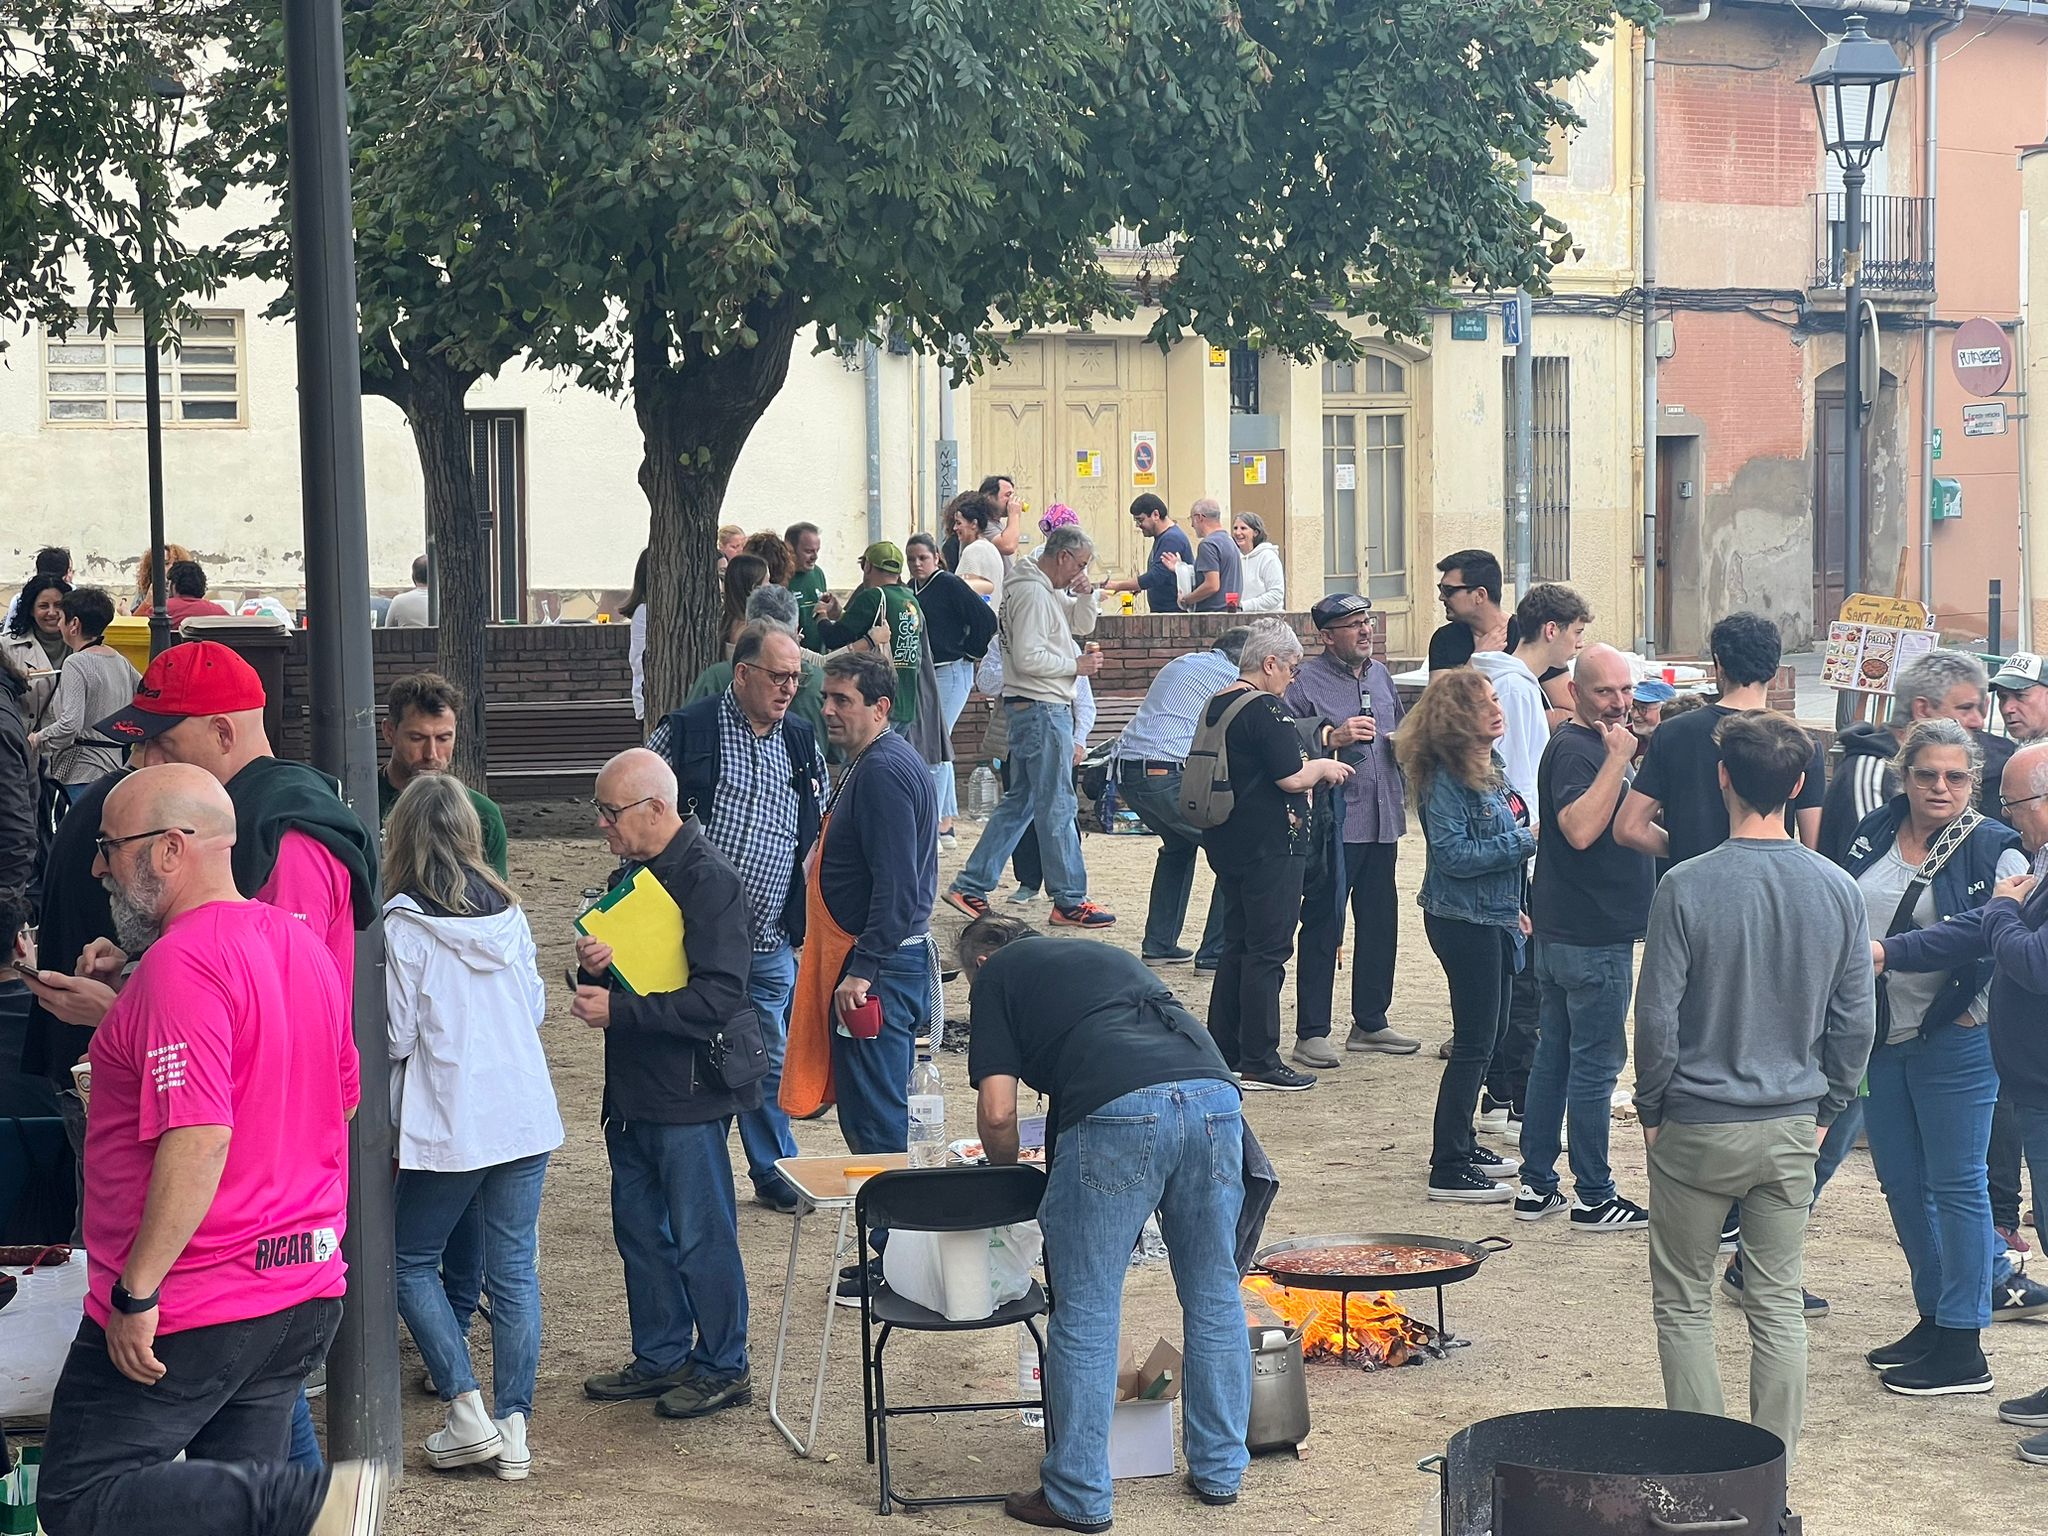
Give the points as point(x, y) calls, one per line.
point(734, 1057)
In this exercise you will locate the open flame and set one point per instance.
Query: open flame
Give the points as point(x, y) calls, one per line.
point(1364, 1327)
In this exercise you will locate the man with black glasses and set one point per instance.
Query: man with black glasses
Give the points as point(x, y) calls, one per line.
point(1469, 587)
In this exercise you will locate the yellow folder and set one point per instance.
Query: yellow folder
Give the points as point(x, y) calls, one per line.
point(644, 927)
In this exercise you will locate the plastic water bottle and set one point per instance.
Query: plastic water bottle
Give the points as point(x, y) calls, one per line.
point(927, 1115)
point(982, 793)
point(1106, 807)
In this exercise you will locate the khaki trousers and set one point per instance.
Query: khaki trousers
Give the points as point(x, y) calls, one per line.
point(1695, 1171)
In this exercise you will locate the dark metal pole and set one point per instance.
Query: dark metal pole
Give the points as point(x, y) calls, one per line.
point(1994, 617)
point(1525, 417)
point(362, 1395)
point(1852, 388)
point(149, 300)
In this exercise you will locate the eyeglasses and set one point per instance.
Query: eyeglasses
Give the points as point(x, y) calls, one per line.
point(2006, 805)
point(107, 845)
point(1954, 778)
point(780, 679)
point(610, 814)
point(1443, 590)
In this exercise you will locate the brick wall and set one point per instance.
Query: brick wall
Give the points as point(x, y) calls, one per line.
point(1745, 379)
point(1729, 131)
point(522, 662)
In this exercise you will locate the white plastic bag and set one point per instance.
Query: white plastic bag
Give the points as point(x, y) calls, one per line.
point(963, 1275)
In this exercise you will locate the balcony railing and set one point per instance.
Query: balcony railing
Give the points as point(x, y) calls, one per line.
point(1122, 241)
point(1896, 258)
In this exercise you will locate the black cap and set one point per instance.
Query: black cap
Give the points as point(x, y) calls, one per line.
point(1338, 607)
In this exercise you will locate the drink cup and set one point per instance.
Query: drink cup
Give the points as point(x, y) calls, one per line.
point(81, 1078)
point(1671, 675)
point(865, 1022)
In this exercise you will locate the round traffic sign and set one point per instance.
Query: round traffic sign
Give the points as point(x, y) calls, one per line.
point(1141, 458)
point(1982, 357)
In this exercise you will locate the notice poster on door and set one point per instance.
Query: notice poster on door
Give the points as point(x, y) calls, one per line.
point(1087, 464)
point(1144, 460)
point(1254, 469)
point(1344, 477)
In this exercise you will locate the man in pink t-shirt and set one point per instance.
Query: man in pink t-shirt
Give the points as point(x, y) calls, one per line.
point(216, 1188)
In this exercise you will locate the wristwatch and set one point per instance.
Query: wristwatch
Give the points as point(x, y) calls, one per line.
point(130, 1305)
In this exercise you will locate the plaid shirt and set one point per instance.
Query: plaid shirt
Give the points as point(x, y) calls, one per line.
point(754, 818)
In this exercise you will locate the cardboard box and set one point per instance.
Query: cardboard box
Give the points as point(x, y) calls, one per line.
point(1141, 1426)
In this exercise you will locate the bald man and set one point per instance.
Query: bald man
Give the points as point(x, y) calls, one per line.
point(678, 1066)
point(1590, 905)
point(215, 1196)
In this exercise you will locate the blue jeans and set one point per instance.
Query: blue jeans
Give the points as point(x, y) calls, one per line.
point(1839, 1142)
point(1154, 793)
point(1176, 1148)
point(764, 1132)
point(1041, 793)
point(956, 682)
point(1581, 1047)
point(1930, 1121)
point(462, 1266)
point(507, 1201)
point(871, 1078)
point(677, 1227)
point(305, 1450)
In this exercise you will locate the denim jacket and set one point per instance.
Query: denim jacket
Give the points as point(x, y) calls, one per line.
point(1476, 853)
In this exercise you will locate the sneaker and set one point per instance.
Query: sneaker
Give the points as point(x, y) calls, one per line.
point(1616, 1215)
point(1443, 1052)
point(1731, 1282)
point(1488, 1161)
point(1533, 1205)
point(1381, 1038)
point(1023, 896)
point(948, 842)
point(782, 1201)
point(1209, 967)
point(1731, 1235)
point(354, 1504)
point(1512, 1131)
point(1469, 1186)
point(628, 1385)
point(316, 1382)
point(1086, 915)
point(848, 1294)
point(2034, 1450)
point(468, 1437)
point(1903, 1351)
point(1954, 1367)
point(1493, 1115)
point(705, 1394)
point(2016, 1298)
point(966, 902)
point(1316, 1051)
point(1174, 956)
point(1280, 1079)
point(515, 1459)
point(1213, 1500)
point(2030, 1411)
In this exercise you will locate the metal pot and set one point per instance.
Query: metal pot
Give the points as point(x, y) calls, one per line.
point(1279, 1416)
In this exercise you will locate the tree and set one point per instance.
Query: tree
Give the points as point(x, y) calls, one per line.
point(948, 165)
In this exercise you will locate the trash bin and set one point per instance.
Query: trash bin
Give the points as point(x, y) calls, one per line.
point(130, 636)
point(264, 644)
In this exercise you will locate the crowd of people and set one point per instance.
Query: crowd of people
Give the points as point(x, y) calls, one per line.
point(195, 903)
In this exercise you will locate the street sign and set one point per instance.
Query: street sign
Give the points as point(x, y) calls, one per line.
point(1144, 460)
point(1468, 325)
point(1511, 323)
point(1937, 442)
point(1982, 357)
point(1984, 420)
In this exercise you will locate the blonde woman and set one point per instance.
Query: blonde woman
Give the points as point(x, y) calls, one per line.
point(473, 1108)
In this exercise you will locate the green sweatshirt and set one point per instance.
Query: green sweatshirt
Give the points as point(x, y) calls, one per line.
point(906, 630)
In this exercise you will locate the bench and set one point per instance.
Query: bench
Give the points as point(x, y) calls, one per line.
point(545, 750)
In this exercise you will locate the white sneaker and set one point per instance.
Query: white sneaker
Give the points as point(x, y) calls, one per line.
point(514, 1459)
point(470, 1435)
point(354, 1505)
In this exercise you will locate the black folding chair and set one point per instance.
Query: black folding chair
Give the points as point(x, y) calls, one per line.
point(936, 1200)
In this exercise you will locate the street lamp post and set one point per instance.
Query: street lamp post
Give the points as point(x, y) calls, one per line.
point(1855, 82)
point(169, 104)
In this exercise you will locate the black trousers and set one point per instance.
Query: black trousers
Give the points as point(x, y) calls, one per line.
point(2003, 1164)
point(225, 1400)
point(1478, 961)
point(1365, 884)
point(1507, 1075)
point(1261, 902)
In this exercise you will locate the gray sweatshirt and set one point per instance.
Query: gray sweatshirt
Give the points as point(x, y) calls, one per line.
point(1757, 1000)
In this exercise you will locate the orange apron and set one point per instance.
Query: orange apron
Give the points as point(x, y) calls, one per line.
point(807, 1060)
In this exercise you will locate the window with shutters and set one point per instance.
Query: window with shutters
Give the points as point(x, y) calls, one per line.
point(497, 481)
point(1550, 487)
point(1367, 410)
point(100, 379)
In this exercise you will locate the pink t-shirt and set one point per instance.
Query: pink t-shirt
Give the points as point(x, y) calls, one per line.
point(235, 1017)
point(314, 886)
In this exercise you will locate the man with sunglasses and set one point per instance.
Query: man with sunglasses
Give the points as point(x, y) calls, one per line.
point(751, 772)
point(1469, 587)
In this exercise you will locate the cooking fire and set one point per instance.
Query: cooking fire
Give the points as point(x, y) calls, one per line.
point(1354, 1327)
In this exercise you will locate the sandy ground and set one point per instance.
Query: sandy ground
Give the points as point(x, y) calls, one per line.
point(1562, 1319)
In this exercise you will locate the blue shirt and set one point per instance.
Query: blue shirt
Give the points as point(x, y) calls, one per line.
point(1160, 586)
point(878, 867)
point(1164, 726)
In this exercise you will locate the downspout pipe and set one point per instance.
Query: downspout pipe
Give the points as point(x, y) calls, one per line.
point(871, 373)
point(1929, 174)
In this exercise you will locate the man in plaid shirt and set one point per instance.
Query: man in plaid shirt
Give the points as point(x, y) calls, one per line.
point(753, 774)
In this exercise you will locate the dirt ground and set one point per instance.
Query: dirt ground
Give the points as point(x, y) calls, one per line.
point(1560, 1320)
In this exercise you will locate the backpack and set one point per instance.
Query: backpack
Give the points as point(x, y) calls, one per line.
point(1206, 795)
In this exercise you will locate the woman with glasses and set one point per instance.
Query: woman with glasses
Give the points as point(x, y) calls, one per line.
point(1921, 858)
point(473, 1108)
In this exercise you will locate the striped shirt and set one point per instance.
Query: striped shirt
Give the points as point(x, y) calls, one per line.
point(1164, 726)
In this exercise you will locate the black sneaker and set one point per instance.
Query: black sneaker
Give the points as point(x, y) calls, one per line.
point(1616, 1215)
point(705, 1393)
point(848, 1294)
point(1731, 1282)
point(1280, 1079)
point(1488, 1161)
point(2030, 1412)
point(1512, 1131)
point(1493, 1114)
point(1533, 1205)
point(1174, 956)
point(780, 1200)
point(1954, 1367)
point(2034, 1449)
point(1906, 1350)
point(1468, 1185)
point(627, 1385)
point(2016, 1298)
point(1731, 1235)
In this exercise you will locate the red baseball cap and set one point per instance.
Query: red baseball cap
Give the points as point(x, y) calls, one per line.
point(200, 677)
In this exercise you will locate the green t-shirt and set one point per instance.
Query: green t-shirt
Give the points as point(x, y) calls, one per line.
point(906, 642)
point(808, 587)
point(487, 812)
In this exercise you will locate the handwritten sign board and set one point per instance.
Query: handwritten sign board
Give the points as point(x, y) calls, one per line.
point(1867, 658)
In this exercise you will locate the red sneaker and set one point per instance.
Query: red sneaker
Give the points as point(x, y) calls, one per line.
point(961, 901)
point(1086, 915)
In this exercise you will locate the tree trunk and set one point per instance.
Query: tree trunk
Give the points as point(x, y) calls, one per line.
point(440, 430)
point(696, 412)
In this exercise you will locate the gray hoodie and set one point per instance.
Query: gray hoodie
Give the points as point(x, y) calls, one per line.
point(1521, 700)
point(1038, 626)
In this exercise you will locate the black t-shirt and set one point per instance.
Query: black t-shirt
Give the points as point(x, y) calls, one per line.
point(75, 911)
point(1265, 820)
point(1116, 1028)
point(1452, 644)
point(1596, 895)
point(1680, 772)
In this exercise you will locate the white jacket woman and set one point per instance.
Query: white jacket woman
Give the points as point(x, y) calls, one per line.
point(1264, 583)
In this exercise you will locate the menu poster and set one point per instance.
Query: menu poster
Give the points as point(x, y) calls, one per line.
point(1865, 658)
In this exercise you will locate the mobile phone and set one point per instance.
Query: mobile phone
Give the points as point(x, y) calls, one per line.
point(570, 975)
